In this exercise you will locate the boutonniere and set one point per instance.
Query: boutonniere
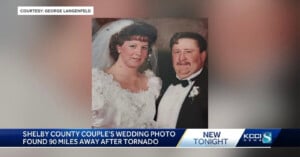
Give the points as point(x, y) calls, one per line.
point(194, 92)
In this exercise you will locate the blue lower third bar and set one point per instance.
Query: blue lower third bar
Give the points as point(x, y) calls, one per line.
point(194, 138)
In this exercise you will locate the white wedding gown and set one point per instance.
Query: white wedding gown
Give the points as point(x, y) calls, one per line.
point(115, 107)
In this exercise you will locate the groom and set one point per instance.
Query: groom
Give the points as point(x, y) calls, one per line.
point(184, 103)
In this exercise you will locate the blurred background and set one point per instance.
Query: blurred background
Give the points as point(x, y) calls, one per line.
point(45, 65)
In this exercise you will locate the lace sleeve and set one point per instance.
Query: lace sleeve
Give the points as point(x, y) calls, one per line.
point(103, 115)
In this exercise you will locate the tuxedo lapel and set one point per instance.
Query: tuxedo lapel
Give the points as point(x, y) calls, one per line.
point(194, 110)
point(157, 103)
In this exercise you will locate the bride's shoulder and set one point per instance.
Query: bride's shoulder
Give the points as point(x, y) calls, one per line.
point(152, 77)
point(154, 82)
point(100, 77)
point(97, 73)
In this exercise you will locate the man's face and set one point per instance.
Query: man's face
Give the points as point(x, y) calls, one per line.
point(187, 58)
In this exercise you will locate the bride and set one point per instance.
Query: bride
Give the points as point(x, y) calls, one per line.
point(122, 96)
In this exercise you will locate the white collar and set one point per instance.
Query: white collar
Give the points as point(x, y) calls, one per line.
point(193, 75)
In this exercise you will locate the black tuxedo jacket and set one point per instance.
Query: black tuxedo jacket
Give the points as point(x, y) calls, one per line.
point(194, 110)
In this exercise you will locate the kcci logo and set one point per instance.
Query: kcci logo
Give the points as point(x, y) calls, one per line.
point(265, 138)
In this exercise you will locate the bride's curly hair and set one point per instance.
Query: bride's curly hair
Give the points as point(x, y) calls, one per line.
point(137, 31)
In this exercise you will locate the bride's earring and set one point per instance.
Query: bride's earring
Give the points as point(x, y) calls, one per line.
point(149, 58)
point(149, 61)
point(118, 49)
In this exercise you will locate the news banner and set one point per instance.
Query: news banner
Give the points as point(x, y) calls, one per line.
point(182, 138)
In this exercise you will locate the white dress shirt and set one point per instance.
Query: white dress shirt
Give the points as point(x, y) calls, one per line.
point(171, 102)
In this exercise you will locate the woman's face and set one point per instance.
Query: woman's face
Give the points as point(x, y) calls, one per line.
point(133, 53)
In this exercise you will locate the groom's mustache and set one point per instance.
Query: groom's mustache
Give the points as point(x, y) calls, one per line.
point(183, 63)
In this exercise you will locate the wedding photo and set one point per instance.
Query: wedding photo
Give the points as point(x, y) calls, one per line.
point(149, 73)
